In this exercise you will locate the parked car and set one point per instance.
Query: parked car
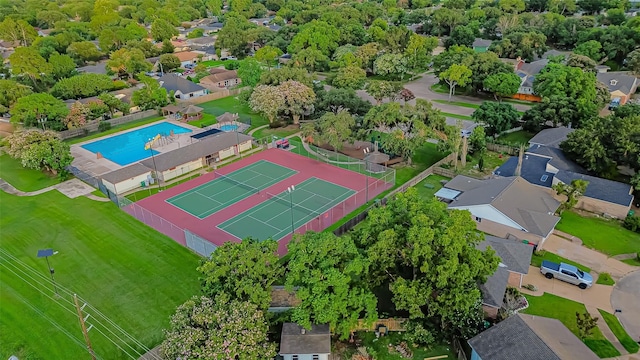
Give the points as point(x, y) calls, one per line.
point(566, 272)
point(614, 103)
point(190, 66)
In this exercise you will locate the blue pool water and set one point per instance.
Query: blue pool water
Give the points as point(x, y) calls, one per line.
point(229, 127)
point(127, 148)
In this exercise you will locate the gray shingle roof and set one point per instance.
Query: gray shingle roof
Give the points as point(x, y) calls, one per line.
point(478, 42)
point(514, 254)
point(530, 207)
point(177, 83)
point(314, 341)
point(601, 189)
point(618, 80)
point(557, 158)
point(495, 286)
point(533, 68)
point(551, 137)
point(527, 337)
point(126, 173)
point(208, 146)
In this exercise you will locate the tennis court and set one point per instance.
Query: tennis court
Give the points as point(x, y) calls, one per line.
point(274, 217)
point(226, 190)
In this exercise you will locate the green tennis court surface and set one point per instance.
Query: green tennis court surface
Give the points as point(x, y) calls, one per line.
point(226, 190)
point(273, 218)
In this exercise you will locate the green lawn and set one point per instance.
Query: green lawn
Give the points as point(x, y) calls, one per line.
point(617, 329)
point(432, 180)
point(633, 262)
point(565, 310)
point(605, 279)
point(457, 103)
point(381, 349)
point(606, 236)
point(115, 129)
point(539, 256)
point(517, 137)
point(279, 132)
point(128, 271)
point(457, 116)
point(11, 171)
point(206, 120)
point(233, 105)
point(212, 63)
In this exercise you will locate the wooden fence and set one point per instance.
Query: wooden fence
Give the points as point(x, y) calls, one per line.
point(507, 149)
point(93, 126)
point(391, 325)
point(214, 96)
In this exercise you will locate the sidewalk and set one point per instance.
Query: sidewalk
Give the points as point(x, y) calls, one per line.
point(604, 328)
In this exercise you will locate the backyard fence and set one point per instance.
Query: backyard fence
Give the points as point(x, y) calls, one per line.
point(155, 221)
point(198, 244)
point(93, 126)
point(214, 96)
point(507, 149)
point(393, 324)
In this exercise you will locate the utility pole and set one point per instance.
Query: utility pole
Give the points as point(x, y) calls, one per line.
point(85, 331)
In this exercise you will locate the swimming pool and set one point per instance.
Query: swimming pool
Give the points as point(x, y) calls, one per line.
point(228, 127)
point(127, 148)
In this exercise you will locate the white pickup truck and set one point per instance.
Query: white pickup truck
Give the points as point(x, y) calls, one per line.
point(566, 272)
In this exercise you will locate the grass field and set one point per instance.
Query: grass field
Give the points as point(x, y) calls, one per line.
point(553, 306)
point(617, 329)
point(279, 131)
point(539, 256)
point(633, 262)
point(128, 271)
point(11, 171)
point(457, 116)
point(116, 129)
point(232, 105)
point(432, 180)
point(381, 347)
point(605, 279)
point(516, 137)
point(606, 236)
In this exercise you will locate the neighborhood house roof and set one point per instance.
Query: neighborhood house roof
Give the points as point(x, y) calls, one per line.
point(297, 340)
point(528, 337)
point(551, 137)
point(529, 207)
point(481, 43)
point(186, 55)
point(220, 77)
point(208, 146)
point(227, 117)
point(528, 71)
point(601, 189)
point(192, 109)
point(618, 81)
point(515, 255)
point(98, 68)
point(203, 40)
point(494, 288)
point(177, 83)
point(126, 173)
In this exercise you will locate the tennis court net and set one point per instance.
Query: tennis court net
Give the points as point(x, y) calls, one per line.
point(236, 182)
point(287, 202)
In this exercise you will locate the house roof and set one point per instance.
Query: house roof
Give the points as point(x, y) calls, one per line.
point(514, 254)
point(529, 207)
point(314, 341)
point(192, 109)
point(98, 68)
point(202, 148)
point(533, 68)
point(528, 337)
point(176, 83)
point(217, 70)
point(551, 137)
point(220, 76)
point(601, 189)
point(126, 173)
point(478, 42)
point(558, 159)
point(618, 81)
point(203, 40)
point(186, 55)
point(494, 288)
point(227, 117)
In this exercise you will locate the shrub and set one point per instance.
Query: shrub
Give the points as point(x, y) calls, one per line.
point(104, 126)
point(632, 223)
point(530, 287)
point(232, 65)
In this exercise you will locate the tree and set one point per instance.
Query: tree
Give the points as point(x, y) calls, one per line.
point(234, 36)
point(391, 65)
point(419, 50)
point(18, 31)
point(336, 129)
point(84, 51)
point(336, 100)
point(591, 49)
point(169, 62)
point(250, 72)
point(573, 192)
point(454, 55)
point(582, 62)
point(366, 55)
point(380, 89)
point(585, 323)
point(455, 75)
point(77, 116)
point(31, 108)
point(350, 77)
point(267, 100)
point(525, 45)
point(477, 140)
point(62, 66)
point(502, 85)
point(298, 99)
point(11, 91)
point(496, 117)
point(318, 35)
point(112, 103)
point(406, 95)
point(268, 55)
point(151, 96)
point(40, 150)
point(128, 62)
point(512, 6)
point(483, 65)
point(245, 271)
point(82, 86)
point(162, 30)
point(633, 61)
point(311, 59)
point(26, 61)
point(427, 257)
point(462, 35)
point(327, 271)
point(204, 328)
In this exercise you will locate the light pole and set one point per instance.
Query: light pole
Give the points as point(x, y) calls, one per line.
point(366, 168)
point(42, 119)
point(45, 254)
point(290, 190)
point(153, 158)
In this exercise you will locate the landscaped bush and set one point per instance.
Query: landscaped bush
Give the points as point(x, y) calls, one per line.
point(104, 126)
point(632, 223)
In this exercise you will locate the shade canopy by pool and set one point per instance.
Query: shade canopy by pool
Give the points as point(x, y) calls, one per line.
point(447, 194)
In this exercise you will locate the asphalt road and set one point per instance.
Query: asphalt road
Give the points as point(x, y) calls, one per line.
point(626, 298)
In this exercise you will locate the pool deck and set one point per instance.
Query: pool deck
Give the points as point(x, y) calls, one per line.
point(88, 161)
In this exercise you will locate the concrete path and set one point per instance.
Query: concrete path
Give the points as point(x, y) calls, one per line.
point(626, 297)
point(71, 188)
point(597, 296)
point(597, 261)
point(604, 328)
point(256, 129)
point(98, 198)
point(9, 189)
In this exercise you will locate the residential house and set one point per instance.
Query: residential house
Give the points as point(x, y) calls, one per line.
point(183, 89)
point(98, 68)
point(481, 45)
point(202, 41)
point(528, 72)
point(620, 84)
point(515, 258)
point(528, 337)
point(544, 164)
point(298, 343)
point(505, 207)
point(220, 80)
point(187, 57)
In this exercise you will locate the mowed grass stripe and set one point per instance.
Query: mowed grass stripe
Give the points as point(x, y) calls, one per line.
point(130, 272)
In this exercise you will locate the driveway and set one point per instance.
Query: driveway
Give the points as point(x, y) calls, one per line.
point(626, 297)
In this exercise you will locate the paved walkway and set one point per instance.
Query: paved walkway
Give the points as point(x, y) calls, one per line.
point(604, 328)
point(71, 188)
point(256, 129)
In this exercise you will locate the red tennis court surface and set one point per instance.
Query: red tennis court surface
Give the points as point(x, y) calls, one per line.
point(201, 234)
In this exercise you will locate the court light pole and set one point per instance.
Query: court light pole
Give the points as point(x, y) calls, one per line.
point(366, 166)
point(45, 254)
point(290, 190)
point(153, 158)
